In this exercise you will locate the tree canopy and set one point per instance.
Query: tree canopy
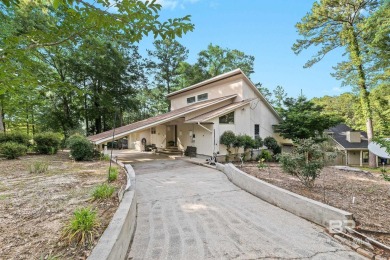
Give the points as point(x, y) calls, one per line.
point(339, 23)
point(302, 119)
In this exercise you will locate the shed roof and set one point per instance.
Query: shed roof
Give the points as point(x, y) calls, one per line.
point(157, 120)
point(219, 111)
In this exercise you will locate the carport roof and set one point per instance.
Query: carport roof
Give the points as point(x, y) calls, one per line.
point(154, 121)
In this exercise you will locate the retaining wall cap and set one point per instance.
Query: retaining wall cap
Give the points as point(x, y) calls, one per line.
point(301, 206)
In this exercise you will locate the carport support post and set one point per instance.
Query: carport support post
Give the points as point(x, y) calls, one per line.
point(361, 158)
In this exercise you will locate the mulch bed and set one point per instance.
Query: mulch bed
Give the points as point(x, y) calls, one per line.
point(36, 207)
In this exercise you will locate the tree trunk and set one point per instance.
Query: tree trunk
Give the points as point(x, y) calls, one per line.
point(2, 129)
point(364, 94)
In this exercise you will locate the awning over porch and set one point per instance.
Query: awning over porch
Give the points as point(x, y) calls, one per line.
point(123, 131)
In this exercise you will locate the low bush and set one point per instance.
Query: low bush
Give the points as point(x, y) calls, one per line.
point(47, 143)
point(12, 150)
point(266, 155)
point(19, 138)
point(113, 174)
point(103, 191)
point(82, 227)
point(81, 149)
point(39, 167)
point(104, 157)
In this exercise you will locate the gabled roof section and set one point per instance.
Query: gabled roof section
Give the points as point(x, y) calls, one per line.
point(227, 75)
point(339, 134)
point(219, 111)
point(157, 120)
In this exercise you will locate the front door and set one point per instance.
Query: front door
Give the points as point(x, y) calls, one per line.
point(171, 135)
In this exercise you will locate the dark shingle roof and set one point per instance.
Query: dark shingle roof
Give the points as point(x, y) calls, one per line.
point(340, 136)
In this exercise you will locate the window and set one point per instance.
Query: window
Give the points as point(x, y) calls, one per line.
point(202, 97)
point(190, 100)
point(153, 130)
point(227, 119)
point(365, 157)
point(257, 131)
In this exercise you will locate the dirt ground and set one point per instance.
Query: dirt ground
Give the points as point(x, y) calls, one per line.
point(337, 188)
point(35, 207)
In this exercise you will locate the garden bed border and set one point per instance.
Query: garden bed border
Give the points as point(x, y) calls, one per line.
point(116, 239)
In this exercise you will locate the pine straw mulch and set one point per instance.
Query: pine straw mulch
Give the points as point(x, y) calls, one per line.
point(36, 207)
point(337, 188)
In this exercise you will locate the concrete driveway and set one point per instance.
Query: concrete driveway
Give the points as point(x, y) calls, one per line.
point(186, 211)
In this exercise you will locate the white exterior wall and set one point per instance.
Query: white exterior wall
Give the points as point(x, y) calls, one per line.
point(138, 137)
point(203, 140)
point(214, 90)
point(159, 138)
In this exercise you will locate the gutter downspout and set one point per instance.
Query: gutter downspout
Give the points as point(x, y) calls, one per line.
point(199, 124)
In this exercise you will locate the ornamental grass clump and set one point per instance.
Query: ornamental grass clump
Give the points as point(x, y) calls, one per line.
point(39, 167)
point(113, 174)
point(103, 191)
point(82, 227)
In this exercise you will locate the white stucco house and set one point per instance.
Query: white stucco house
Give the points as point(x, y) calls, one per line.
point(200, 114)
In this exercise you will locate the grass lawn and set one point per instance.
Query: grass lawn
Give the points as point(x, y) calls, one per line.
point(35, 207)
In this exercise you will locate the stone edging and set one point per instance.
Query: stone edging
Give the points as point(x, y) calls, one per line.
point(306, 208)
point(116, 239)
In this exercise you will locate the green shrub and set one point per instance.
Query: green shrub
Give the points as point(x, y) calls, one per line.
point(19, 138)
point(272, 145)
point(81, 149)
point(113, 175)
point(103, 191)
point(228, 138)
point(47, 143)
point(82, 226)
point(39, 167)
point(266, 155)
point(12, 150)
point(306, 160)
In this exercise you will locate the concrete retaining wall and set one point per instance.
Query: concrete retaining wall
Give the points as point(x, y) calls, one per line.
point(116, 239)
point(309, 209)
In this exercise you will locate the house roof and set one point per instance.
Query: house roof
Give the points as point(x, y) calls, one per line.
point(227, 75)
point(207, 82)
point(219, 111)
point(340, 136)
point(153, 121)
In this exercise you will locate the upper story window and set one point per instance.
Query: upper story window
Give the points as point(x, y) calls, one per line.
point(227, 119)
point(203, 96)
point(190, 100)
point(153, 130)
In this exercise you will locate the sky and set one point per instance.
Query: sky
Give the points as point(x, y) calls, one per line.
point(263, 29)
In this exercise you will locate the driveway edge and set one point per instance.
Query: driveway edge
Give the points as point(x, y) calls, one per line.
point(301, 206)
point(116, 239)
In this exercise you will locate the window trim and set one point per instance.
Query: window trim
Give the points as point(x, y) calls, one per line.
point(189, 98)
point(203, 94)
